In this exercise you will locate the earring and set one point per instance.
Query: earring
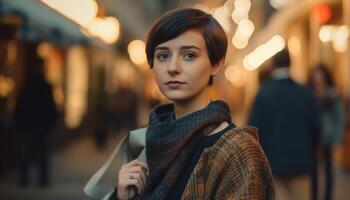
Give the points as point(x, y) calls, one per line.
point(211, 78)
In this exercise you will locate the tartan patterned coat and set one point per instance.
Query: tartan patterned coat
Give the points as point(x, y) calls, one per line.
point(235, 167)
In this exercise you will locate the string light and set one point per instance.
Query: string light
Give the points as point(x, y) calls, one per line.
point(263, 52)
point(137, 53)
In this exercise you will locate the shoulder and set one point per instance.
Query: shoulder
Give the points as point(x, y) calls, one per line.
point(270, 88)
point(238, 142)
point(237, 160)
point(238, 137)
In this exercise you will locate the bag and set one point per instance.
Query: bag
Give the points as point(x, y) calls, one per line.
point(130, 147)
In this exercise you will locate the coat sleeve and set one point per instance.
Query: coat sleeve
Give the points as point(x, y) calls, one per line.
point(246, 174)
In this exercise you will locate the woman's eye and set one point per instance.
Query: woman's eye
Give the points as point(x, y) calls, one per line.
point(190, 56)
point(162, 56)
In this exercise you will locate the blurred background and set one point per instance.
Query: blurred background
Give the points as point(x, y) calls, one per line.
point(79, 69)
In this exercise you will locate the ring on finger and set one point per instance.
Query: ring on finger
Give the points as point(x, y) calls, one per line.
point(130, 176)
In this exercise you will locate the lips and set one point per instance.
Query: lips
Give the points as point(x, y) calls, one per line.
point(174, 82)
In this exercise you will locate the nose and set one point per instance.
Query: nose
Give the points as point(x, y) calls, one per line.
point(174, 66)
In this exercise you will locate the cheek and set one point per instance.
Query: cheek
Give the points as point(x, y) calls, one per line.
point(158, 77)
point(201, 76)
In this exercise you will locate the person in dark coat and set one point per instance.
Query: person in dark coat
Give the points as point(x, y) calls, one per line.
point(287, 117)
point(35, 114)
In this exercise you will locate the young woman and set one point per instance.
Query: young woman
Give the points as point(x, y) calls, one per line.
point(332, 122)
point(193, 149)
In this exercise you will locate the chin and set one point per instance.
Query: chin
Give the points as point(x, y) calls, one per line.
point(176, 96)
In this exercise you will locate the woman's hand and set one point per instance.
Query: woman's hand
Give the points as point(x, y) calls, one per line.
point(132, 174)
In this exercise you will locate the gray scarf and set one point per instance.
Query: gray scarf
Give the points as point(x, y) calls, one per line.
point(170, 143)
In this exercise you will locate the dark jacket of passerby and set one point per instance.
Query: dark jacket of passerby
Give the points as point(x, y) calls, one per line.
point(286, 115)
point(35, 107)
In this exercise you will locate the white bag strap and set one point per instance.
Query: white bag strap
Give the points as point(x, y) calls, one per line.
point(92, 189)
point(137, 140)
point(137, 143)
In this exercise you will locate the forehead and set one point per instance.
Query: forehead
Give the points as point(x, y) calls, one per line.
point(188, 38)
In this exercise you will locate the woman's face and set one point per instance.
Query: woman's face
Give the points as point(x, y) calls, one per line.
point(319, 81)
point(182, 67)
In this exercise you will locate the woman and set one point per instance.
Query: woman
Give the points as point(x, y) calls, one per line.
point(331, 120)
point(193, 149)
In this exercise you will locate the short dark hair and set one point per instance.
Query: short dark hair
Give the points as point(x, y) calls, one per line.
point(176, 22)
point(281, 59)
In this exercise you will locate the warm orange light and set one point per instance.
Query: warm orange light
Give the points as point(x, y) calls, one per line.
point(76, 87)
point(325, 33)
point(338, 35)
point(263, 52)
point(80, 11)
point(243, 4)
point(340, 38)
point(221, 16)
point(236, 75)
point(44, 49)
point(239, 14)
point(105, 28)
point(246, 28)
point(277, 4)
point(137, 52)
point(84, 12)
point(322, 13)
point(229, 6)
point(294, 45)
point(239, 42)
point(7, 86)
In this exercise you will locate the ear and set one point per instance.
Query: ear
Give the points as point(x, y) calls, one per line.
point(218, 66)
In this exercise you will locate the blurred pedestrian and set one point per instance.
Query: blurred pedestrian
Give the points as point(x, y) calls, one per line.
point(332, 121)
point(286, 115)
point(35, 114)
point(100, 111)
point(124, 107)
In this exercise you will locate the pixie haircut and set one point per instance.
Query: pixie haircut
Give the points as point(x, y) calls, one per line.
point(174, 23)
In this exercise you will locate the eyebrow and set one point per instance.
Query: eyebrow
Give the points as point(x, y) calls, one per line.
point(182, 47)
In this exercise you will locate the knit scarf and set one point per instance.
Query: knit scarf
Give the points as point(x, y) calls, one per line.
point(170, 143)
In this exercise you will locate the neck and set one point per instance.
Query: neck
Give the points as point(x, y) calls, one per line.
point(184, 108)
point(281, 73)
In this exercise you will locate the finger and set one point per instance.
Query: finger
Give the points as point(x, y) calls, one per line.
point(133, 163)
point(143, 164)
point(135, 169)
point(126, 184)
point(144, 179)
point(141, 177)
point(138, 185)
point(138, 162)
point(135, 181)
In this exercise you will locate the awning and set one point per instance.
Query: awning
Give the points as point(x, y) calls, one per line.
point(41, 23)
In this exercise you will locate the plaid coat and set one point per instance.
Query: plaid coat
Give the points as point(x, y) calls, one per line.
point(235, 167)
